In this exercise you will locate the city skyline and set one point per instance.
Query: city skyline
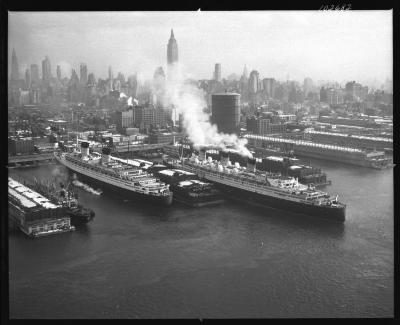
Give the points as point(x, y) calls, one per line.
point(130, 43)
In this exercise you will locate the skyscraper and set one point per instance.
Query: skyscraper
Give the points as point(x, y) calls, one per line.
point(27, 78)
point(46, 70)
point(158, 87)
point(132, 85)
point(308, 86)
point(110, 78)
point(245, 75)
point(34, 73)
point(217, 72)
point(172, 50)
point(254, 82)
point(58, 72)
point(83, 74)
point(269, 87)
point(14, 67)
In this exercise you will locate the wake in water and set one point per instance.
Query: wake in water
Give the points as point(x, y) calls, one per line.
point(86, 187)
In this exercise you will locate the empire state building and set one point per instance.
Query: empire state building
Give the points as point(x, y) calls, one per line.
point(172, 50)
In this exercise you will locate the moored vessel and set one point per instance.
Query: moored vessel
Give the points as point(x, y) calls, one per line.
point(67, 198)
point(187, 188)
point(116, 175)
point(269, 189)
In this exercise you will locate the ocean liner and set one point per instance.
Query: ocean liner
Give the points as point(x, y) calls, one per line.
point(117, 175)
point(270, 189)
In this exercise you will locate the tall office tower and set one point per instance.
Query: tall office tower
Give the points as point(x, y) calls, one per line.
point(132, 86)
point(172, 50)
point(158, 88)
point(27, 79)
point(14, 67)
point(46, 70)
point(225, 112)
point(323, 95)
point(308, 86)
point(110, 78)
point(73, 87)
point(217, 72)
point(34, 73)
point(159, 74)
point(245, 74)
point(172, 56)
point(254, 82)
point(121, 77)
point(58, 73)
point(269, 87)
point(83, 74)
point(91, 79)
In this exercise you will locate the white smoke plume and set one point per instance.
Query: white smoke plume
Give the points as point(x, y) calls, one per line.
point(189, 101)
point(122, 95)
point(130, 101)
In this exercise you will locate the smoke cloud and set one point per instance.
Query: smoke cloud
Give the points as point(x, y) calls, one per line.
point(189, 101)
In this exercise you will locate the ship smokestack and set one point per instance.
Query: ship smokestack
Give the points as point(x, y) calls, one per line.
point(105, 157)
point(84, 148)
point(224, 158)
point(251, 165)
point(202, 154)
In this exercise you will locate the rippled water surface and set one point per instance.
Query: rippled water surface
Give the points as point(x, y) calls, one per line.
point(229, 261)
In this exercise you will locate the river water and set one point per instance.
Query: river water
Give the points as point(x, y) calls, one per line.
point(228, 261)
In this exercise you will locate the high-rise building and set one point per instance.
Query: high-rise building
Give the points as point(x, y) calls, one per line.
point(83, 74)
point(73, 87)
point(226, 112)
point(269, 85)
point(110, 78)
point(14, 67)
point(323, 95)
point(172, 50)
point(91, 79)
point(308, 86)
point(34, 73)
point(27, 79)
point(217, 72)
point(58, 73)
point(355, 92)
point(46, 70)
point(254, 82)
point(132, 86)
point(121, 77)
point(245, 74)
point(335, 96)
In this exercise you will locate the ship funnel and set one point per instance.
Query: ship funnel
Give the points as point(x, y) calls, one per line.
point(251, 165)
point(202, 154)
point(84, 148)
point(105, 157)
point(224, 158)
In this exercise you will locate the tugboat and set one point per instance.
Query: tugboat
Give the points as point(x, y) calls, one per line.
point(65, 197)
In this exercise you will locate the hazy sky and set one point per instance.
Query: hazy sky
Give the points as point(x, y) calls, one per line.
point(334, 45)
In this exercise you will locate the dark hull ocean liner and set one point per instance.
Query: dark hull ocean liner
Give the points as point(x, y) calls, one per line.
point(269, 189)
point(116, 175)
